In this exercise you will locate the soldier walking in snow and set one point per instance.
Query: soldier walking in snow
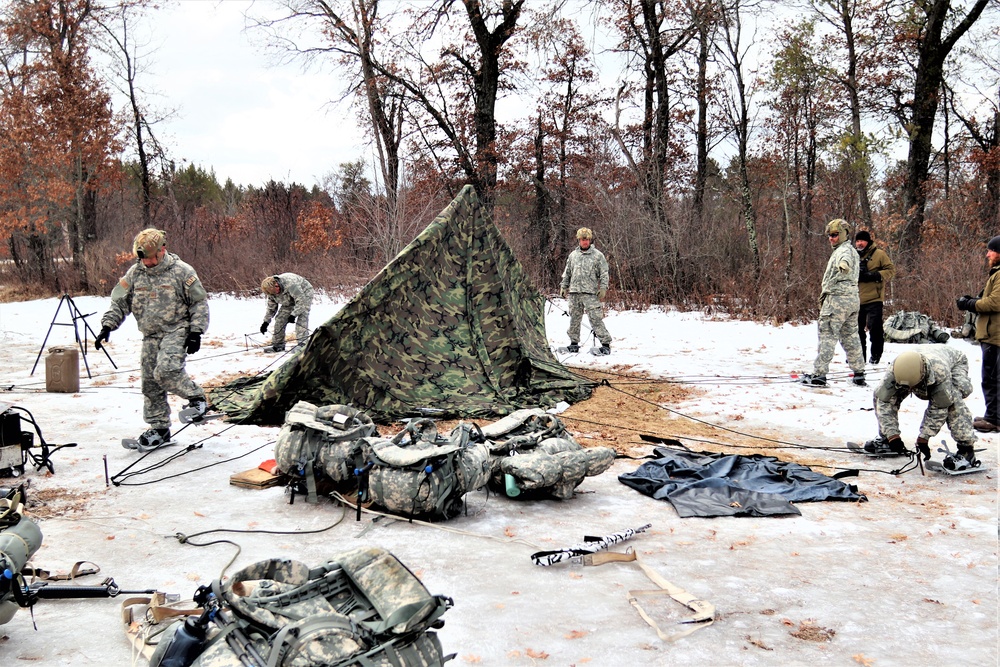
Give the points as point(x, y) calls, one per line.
point(839, 305)
point(171, 310)
point(585, 278)
point(875, 269)
point(939, 375)
point(290, 296)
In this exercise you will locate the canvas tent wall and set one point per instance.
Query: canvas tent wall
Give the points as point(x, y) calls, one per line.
point(452, 327)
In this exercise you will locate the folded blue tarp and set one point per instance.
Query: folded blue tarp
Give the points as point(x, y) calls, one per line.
point(710, 484)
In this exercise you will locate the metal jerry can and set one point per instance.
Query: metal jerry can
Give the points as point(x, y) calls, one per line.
point(62, 370)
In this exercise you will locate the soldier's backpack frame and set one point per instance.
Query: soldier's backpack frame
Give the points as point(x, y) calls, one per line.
point(363, 608)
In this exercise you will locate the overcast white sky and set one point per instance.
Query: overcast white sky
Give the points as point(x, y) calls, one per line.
point(236, 112)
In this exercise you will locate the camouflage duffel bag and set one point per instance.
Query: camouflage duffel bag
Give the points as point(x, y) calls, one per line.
point(323, 441)
point(418, 473)
point(555, 467)
point(363, 608)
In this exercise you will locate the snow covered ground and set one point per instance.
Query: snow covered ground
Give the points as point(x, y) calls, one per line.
point(908, 578)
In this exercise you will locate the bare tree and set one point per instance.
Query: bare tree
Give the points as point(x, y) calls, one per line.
point(652, 32)
point(933, 28)
point(119, 30)
point(734, 48)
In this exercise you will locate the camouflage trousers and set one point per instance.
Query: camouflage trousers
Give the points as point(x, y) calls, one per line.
point(957, 416)
point(162, 371)
point(838, 322)
point(281, 321)
point(579, 303)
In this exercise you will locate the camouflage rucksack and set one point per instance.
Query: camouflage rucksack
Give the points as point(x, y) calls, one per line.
point(363, 608)
point(323, 441)
point(533, 452)
point(419, 473)
point(913, 327)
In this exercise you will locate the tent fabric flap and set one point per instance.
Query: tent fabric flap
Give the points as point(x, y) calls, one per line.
point(452, 327)
point(708, 484)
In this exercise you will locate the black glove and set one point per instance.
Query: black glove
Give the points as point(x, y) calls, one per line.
point(263, 328)
point(923, 448)
point(966, 303)
point(869, 277)
point(102, 338)
point(291, 320)
point(193, 342)
point(896, 444)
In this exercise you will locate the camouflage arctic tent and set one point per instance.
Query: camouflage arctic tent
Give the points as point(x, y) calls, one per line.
point(452, 328)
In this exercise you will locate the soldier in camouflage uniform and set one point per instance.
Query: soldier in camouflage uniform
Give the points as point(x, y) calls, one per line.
point(939, 375)
point(839, 304)
point(585, 278)
point(171, 310)
point(290, 296)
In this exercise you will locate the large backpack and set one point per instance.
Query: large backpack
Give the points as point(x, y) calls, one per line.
point(419, 473)
point(363, 608)
point(913, 327)
point(319, 443)
point(534, 455)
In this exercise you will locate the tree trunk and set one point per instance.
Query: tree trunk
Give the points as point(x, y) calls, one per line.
point(933, 49)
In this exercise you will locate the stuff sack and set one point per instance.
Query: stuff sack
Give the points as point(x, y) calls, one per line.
point(418, 473)
point(317, 443)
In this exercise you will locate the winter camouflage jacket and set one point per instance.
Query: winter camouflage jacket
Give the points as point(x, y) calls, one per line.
point(586, 272)
point(988, 308)
point(874, 259)
point(841, 275)
point(296, 295)
point(946, 382)
point(163, 298)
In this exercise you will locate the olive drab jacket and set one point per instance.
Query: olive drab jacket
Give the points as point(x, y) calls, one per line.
point(163, 298)
point(586, 272)
point(988, 310)
point(874, 259)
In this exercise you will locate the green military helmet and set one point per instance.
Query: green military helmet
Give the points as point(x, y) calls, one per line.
point(908, 369)
point(148, 242)
point(839, 226)
point(584, 233)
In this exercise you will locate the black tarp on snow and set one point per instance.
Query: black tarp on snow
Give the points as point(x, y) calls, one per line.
point(709, 484)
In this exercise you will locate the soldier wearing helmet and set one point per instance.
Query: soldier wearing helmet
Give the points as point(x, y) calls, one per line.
point(171, 310)
point(585, 279)
point(939, 375)
point(289, 300)
point(839, 305)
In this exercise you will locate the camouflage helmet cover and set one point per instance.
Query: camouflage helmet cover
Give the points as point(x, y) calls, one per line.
point(908, 369)
point(148, 242)
point(270, 285)
point(584, 233)
point(839, 226)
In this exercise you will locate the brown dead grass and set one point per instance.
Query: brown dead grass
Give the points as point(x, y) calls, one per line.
point(57, 501)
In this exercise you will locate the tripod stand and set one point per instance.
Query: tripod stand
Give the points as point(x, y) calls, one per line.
point(75, 315)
